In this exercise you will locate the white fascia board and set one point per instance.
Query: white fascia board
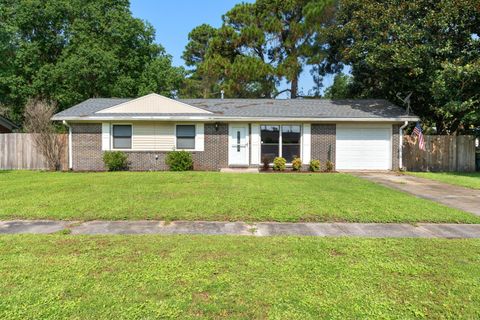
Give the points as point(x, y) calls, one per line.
point(234, 119)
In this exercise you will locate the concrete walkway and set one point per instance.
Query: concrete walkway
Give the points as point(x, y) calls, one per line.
point(262, 229)
point(450, 195)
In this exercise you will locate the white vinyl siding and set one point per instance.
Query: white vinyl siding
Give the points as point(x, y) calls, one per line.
point(150, 136)
point(199, 137)
point(105, 136)
point(255, 156)
point(306, 143)
point(364, 147)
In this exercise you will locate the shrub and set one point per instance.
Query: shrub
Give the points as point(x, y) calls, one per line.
point(266, 163)
point(329, 166)
point(179, 161)
point(315, 165)
point(279, 164)
point(296, 164)
point(115, 160)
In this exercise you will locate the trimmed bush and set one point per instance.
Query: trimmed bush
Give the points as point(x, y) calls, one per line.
point(296, 164)
point(179, 161)
point(315, 165)
point(115, 160)
point(266, 163)
point(279, 164)
point(329, 166)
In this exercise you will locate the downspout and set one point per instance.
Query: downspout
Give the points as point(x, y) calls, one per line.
point(70, 159)
point(400, 147)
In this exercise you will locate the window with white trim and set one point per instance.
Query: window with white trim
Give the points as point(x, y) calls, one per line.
point(280, 141)
point(185, 136)
point(122, 136)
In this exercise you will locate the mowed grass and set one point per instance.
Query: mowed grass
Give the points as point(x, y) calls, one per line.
point(212, 196)
point(220, 277)
point(464, 179)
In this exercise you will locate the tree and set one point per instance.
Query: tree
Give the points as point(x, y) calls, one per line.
point(37, 121)
point(160, 77)
point(197, 47)
point(430, 48)
point(202, 81)
point(340, 88)
point(260, 44)
point(70, 50)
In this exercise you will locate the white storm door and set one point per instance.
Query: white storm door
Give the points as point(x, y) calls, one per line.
point(238, 145)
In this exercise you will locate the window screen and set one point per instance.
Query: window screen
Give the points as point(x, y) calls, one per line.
point(185, 137)
point(122, 136)
point(281, 141)
point(291, 142)
point(270, 136)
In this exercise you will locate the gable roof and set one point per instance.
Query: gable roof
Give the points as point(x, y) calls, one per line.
point(152, 104)
point(4, 122)
point(236, 109)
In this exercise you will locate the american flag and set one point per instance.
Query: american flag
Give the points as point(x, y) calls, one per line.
point(421, 140)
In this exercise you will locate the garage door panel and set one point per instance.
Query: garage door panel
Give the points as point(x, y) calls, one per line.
point(360, 148)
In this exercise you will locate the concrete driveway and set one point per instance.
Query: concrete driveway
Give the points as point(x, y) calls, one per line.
point(452, 196)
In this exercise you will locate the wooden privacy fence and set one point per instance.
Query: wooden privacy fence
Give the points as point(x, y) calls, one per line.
point(444, 153)
point(18, 151)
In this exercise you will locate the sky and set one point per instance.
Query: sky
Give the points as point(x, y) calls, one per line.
point(173, 20)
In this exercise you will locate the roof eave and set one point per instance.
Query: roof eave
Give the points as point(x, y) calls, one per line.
point(8, 123)
point(233, 119)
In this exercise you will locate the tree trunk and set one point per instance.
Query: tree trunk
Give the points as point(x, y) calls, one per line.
point(205, 93)
point(294, 87)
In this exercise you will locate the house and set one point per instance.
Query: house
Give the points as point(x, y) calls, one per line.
point(7, 126)
point(221, 133)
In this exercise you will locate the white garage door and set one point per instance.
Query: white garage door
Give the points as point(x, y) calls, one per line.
point(364, 147)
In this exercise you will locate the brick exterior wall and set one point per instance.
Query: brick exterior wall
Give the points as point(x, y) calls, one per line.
point(87, 147)
point(323, 143)
point(395, 146)
point(215, 155)
point(87, 151)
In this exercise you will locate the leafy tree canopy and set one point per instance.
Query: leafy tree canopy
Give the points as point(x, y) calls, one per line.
point(70, 50)
point(258, 45)
point(340, 88)
point(430, 48)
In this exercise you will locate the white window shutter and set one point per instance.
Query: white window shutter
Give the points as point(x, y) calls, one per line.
point(105, 136)
point(255, 144)
point(306, 143)
point(199, 137)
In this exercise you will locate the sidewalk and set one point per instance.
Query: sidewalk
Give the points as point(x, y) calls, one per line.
point(261, 229)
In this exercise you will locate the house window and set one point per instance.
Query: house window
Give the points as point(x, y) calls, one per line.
point(185, 137)
point(270, 136)
point(280, 141)
point(290, 142)
point(122, 136)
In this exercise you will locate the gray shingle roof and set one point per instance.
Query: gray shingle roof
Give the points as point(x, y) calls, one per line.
point(7, 123)
point(257, 108)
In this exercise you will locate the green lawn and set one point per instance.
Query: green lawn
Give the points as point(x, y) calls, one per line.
point(211, 196)
point(220, 277)
point(464, 179)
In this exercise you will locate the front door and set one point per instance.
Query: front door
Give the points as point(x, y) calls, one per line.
point(238, 146)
